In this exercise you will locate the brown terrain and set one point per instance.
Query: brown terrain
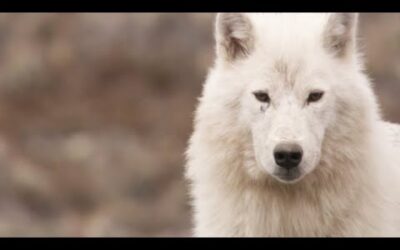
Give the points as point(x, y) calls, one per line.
point(96, 111)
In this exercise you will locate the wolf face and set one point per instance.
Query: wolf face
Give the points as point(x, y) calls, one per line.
point(286, 77)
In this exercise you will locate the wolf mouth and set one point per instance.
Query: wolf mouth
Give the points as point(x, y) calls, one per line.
point(287, 175)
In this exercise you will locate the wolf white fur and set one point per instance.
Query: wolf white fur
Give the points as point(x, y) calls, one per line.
point(347, 183)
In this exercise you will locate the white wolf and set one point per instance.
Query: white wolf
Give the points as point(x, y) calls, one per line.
point(288, 138)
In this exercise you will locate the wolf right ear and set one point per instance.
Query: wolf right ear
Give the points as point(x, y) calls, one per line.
point(340, 34)
point(234, 36)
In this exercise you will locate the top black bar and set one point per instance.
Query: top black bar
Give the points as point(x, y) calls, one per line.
point(200, 6)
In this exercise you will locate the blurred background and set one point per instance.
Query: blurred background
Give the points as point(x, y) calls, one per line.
point(96, 110)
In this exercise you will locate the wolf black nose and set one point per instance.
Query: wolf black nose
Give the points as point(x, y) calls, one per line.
point(288, 155)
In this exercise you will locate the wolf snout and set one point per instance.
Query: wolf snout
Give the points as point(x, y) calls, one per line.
point(288, 155)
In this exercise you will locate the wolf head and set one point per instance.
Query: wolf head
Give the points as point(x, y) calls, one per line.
point(292, 80)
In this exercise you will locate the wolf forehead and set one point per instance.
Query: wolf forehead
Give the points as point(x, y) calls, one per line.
point(284, 71)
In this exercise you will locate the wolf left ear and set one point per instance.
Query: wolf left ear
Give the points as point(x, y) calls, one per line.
point(234, 36)
point(339, 36)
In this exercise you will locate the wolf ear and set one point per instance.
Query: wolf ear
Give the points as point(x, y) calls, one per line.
point(234, 36)
point(339, 36)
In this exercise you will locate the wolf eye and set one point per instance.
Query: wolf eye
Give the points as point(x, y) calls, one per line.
point(261, 96)
point(315, 96)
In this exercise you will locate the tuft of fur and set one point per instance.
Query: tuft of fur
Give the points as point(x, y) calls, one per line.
point(351, 189)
